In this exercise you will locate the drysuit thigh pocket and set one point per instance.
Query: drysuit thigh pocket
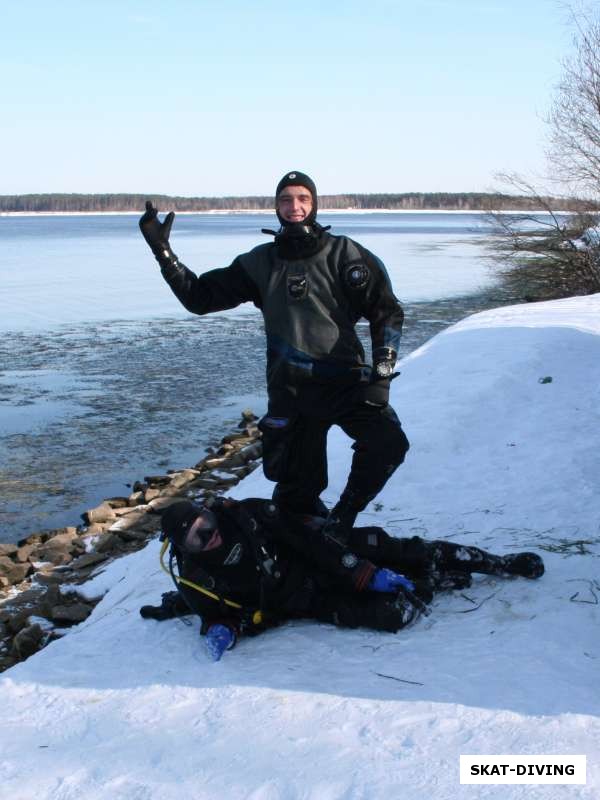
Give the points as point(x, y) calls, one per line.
point(277, 438)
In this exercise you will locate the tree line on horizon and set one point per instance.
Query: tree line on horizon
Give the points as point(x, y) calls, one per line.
point(408, 201)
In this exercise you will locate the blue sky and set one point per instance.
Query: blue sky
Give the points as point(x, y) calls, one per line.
point(218, 98)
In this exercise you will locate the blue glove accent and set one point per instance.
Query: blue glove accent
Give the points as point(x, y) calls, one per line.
point(218, 639)
point(384, 580)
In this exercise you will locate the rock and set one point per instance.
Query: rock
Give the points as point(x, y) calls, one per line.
point(106, 543)
point(52, 577)
point(34, 538)
point(157, 480)
point(132, 536)
point(27, 641)
point(8, 549)
point(88, 560)
point(139, 486)
point(117, 502)
point(14, 573)
point(241, 437)
point(70, 614)
point(101, 513)
point(204, 483)
point(160, 503)
point(139, 521)
point(225, 449)
point(122, 512)
point(136, 498)
point(97, 527)
point(71, 531)
point(251, 452)
point(248, 416)
point(151, 494)
point(180, 479)
point(215, 463)
point(23, 553)
point(58, 550)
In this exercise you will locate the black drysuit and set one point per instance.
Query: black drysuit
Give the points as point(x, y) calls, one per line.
point(311, 299)
point(282, 565)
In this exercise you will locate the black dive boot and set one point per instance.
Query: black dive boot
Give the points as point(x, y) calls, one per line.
point(451, 557)
point(528, 565)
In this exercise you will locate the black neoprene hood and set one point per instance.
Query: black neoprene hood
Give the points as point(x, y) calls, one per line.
point(297, 178)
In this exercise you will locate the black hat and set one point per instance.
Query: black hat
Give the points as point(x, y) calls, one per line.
point(177, 519)
point(296, 178)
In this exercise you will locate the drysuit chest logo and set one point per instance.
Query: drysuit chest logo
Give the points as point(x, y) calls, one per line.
point(356, 276)
point(297, 287)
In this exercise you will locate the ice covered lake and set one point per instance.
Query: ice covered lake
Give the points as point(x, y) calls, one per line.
point(105, 378)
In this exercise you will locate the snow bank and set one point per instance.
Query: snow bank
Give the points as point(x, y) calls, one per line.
point(501, 457)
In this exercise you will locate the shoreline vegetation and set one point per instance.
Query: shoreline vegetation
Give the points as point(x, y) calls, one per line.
point(55, 203)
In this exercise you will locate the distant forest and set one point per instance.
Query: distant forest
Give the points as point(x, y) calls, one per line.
point(447, 201)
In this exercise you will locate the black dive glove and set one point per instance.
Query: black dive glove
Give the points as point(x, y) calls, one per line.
point(156, 234)
point(377, 392)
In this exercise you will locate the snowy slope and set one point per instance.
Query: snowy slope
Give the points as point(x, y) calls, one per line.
point(133, 709)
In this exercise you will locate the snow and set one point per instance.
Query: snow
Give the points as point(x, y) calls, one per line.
point(133, 709)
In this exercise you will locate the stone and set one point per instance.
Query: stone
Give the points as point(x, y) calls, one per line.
point(70, 614)
point(52, 577)
point(225, 449)
point(14, 573)
point(106, 543)
point(216, 463)
point(96, 528)
point(117, 502)
point(122, 512)
point(101, 513)
point(88, 560)
point(204, 483)
point(139, 521)
point(157, 480)
point(252, 452)
point(160, 503)
point(132, 535)
point(151, 494)
point(58, 550)
point(68, 531)
point(34, 538)
point(8, 549)
point(136, 498)
point(180, 479)
point(23, 553)
point(28, 641)
point(241, 437)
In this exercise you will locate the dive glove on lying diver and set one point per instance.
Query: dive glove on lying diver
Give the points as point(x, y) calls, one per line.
point(218, 639)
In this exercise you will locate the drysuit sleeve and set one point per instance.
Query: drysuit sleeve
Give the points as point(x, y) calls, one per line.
point(306, 540)
point(378, 305)
point(216, 290)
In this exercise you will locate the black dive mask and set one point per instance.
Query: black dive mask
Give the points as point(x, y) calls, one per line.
point(200, 532)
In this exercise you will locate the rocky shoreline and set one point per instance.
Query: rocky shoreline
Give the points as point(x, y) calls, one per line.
point(39, 575)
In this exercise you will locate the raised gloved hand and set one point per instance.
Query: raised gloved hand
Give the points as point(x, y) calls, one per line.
point(218, 639)
point(384, 580)
point(156, 233)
